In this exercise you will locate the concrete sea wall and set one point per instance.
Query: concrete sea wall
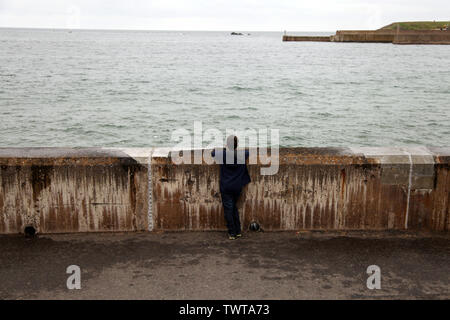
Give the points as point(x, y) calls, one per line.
point(381, 36)
point(96, 190)
point(306, 38)
point(433, 37)
point(71, 190)
point(364, 36)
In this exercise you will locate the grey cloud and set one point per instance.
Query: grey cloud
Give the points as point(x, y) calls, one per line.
point(220, 14)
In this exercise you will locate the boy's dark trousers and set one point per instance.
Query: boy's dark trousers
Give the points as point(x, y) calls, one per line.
point(230, 210)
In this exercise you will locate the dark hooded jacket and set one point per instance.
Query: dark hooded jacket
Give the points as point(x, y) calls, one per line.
point(233, 174)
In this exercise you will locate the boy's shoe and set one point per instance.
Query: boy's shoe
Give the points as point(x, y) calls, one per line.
point(231, 237)
point(239, 235)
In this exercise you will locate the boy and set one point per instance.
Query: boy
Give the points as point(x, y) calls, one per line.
point(233, 177)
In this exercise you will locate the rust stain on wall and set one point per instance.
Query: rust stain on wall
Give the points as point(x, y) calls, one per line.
point(314, 189)
point(72, 195)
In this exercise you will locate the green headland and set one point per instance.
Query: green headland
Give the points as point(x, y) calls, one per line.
point(418, 25)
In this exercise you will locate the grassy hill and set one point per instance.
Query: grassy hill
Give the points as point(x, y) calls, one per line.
point(417, 25)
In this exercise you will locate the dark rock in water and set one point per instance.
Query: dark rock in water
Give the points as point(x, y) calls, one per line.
point(236, 34)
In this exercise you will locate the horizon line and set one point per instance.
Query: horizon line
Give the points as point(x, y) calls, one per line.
point(174, 30)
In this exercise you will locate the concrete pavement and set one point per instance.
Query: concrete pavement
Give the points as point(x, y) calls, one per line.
point(205, 265)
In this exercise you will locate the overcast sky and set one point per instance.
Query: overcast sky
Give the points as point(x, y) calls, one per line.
point(251, 15)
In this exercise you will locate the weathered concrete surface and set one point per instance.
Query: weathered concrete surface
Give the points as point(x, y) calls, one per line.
point(59, 190)
point(307, 38)
point(438, 37)
point(314, 189)
point(83, 190)
point(381, 36)
point(204, 265)
point(386, 36)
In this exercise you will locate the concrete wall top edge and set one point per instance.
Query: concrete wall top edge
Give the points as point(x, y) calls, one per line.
point(296, 155)
point(49, 152)
point(442, 154)
point(397, 155)
point(440, 151)
point(63, 156)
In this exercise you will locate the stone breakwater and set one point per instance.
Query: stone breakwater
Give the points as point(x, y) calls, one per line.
point(381, 36)
point(59, 190)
